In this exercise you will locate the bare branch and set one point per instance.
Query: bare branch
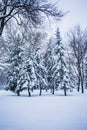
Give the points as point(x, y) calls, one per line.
point(33, 10)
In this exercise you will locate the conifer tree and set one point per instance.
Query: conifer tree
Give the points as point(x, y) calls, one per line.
point(33, 74)
point(15, 62)
point(49, 63)
point(60, 68)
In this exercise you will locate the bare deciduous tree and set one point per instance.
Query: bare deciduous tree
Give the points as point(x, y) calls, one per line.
point(33, 10)
point(78, 43)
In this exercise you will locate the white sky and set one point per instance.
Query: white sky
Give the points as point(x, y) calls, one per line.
point(77, 14)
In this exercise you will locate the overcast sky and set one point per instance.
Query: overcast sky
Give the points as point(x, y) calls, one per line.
point(77, 14)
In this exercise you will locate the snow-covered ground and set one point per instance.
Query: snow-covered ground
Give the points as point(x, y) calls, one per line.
point(46, 112)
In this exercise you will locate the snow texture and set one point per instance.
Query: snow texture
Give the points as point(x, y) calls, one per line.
point(46, 112)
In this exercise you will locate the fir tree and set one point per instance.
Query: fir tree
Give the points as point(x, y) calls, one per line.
point(14, 61)
point(33, 74)
point(60, 69)
point(49, 63)
point(41, 75)
point(27, 73)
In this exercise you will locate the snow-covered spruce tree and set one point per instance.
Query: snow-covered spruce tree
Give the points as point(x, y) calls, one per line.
point(15, 62)
point(49, 63)
point(28, 77)
point(41, 74)
point(36, 55)
point(3, 65)
point(33, 74)
point(60, 73)
point(27, 73)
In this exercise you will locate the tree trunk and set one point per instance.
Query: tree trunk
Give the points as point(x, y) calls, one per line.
point(82, 89)
point(40, 91)
point(78, 89)
point(29, 94)
point(79, 69)
point(53, 90)
point(65, 90)
point(3, 20)
point(82, 76)
point(82, 85)
point(18, 92)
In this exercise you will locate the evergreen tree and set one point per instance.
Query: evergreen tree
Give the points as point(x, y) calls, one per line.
point(15, 62)
point(41, 74)
point(28, 77)
point(60, 72)
point(27, 73)
point(49, 63)
point(33, 74)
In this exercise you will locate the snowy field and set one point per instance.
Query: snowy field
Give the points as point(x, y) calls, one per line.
point(46, 112)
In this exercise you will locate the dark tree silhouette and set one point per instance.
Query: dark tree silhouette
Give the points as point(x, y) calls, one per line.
point(33, 10)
